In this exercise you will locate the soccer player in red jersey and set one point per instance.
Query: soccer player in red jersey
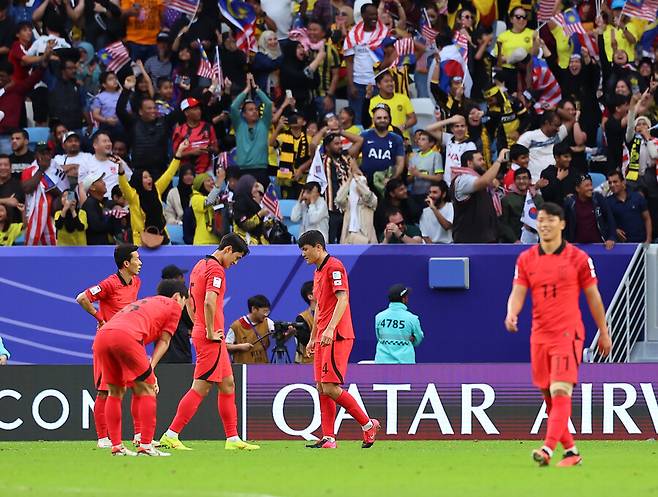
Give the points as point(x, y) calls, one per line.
point(120, 348)
point(112, 294)
point(555, 272)
point(213, 364)
point(331, 341)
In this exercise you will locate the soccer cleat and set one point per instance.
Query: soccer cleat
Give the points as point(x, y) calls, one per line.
point(541, 457)
point(323, 443)
point(122, 451)
point(104, 443)
point(240, 445)
point(369, 435)
point(151, 451)
point(137, 439)
point(171, 443)
point(570, 459)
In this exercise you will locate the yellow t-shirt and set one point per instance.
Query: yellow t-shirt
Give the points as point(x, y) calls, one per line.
point(144, 28)
point(510, 41)
point(563, 46)
point(635, 27)
point(400, 107)
point(203, 234)
point(75, 239)
point(7, 238)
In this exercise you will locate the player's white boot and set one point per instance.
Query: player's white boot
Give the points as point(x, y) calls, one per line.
point(104, 443)
point(149, 450)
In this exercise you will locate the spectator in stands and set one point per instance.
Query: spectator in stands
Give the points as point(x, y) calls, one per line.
point(397, 230)
point(67, 102)
point(540, 142)
point(558, 180)
point(397, 330)
point(454, 144)
point(71, 222)
point(11, 192)
point(104, 105)
point(120, 149)
point(642, 147)
point(72, 157)
point(10, 230)
point(358, 204)
point(99, 222)
point(206, 196)
point(299, 74)
point(311, 210)
point(519, 36)
point(615, 129)
point(396, 196)
point(252, 131)
point(513, 204)
point(200, 135)
point(178, 198)
point(437, 217)
point(403, 115)
point(425, 167)
point(328, 70)
point(180, 350)
point(475, 201)
point(143, 21)
point(249, 218)
point(293, 143)
point(247, 339)
point(21, 157)
point(630, 211)
point(103, 160)
point(144, 196)
point(307, 318)
point(519, 157)
point(382, 150)
point(7, 29)
point(588, 215)
point(159, 65)
point(4, 354)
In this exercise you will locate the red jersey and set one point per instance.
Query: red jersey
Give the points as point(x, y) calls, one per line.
point(555, 281)
point(203, 136)
point(328, 279)
point(208, 275)
point(16, 54)
point(147, 319)
point(113, 294)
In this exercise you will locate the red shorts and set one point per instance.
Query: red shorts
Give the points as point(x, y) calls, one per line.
point(553, 362)
point(99, 381)
point(330, 362)
point(213, 362)
point(123, 359)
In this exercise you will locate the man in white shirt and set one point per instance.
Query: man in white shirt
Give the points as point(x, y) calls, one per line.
point(101, 160)
point(311, 210)
point(540, 142)
point(436, 220)
point(454, 144)
point(71, 161)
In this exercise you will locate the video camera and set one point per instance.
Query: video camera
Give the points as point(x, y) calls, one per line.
point(281, 329)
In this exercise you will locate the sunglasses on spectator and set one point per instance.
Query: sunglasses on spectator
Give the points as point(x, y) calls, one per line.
point(520, 17)
point(382, 106)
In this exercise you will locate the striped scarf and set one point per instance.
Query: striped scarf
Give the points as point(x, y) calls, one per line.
point(356, 36)
point(495, 200)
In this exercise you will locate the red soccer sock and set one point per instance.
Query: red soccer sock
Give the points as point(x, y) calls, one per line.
point(558, 420)
point(352, 407)
point(134, 412)
point(147, 409)
point(113, 417)
point(549, 403)
point(187, 408)
point(229, 413)
point(99, 416)
point(327, 415)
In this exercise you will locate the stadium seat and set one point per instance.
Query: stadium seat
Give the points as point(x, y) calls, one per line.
point(424, 108)
point(341, 104)
point(37, 135)
point(174, 181)
point(175, 234)
point(20, 240)
point(597, 179)
point(286, 205)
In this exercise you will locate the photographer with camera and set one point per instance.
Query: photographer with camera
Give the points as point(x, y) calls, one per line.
point(248, 338)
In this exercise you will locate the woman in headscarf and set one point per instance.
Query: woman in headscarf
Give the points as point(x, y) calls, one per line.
point(248, 216)
point(178, 199)
point(206, 193)
point(299, 74)
point(267, 63)
point(144, 197)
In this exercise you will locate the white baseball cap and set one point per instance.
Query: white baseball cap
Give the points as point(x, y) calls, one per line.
point(92, 178)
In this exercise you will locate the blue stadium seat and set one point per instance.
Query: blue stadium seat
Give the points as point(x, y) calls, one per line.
point(286, 205)
point(20, 240)
point(293, 228)
point(175, 234)
point(597, 179)
point(38, 135)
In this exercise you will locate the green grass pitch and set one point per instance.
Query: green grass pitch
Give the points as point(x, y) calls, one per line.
point(396, 469)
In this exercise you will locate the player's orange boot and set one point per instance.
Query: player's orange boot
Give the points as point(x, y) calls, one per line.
point(541, 457)
point(570, 459)
point(369, 435)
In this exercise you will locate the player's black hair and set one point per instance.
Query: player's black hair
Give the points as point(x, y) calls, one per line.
point(561, 148)
point(306, 290)
point(236, 243)
point(553, 209)
point(123, 253)
point(312, 238)
point(520, 171)
point(169, 287)
point(258, 301)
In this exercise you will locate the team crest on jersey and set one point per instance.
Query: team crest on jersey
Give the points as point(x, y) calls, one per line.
point(217, 282)
point(95, 290)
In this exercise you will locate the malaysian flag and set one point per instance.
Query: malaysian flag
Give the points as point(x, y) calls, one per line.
point(569, 20)
point(428, 33)
point(188, 7)
point(271, 202)
point(641, 9)
point(544, 86)
point(461, 40)
point(217, 70)
point(546, 10)
point(205, 69)
point(242, 16)
point(404, 47)
point(114, 56)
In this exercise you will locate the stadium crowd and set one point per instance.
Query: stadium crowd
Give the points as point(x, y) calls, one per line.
point(181, 121)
